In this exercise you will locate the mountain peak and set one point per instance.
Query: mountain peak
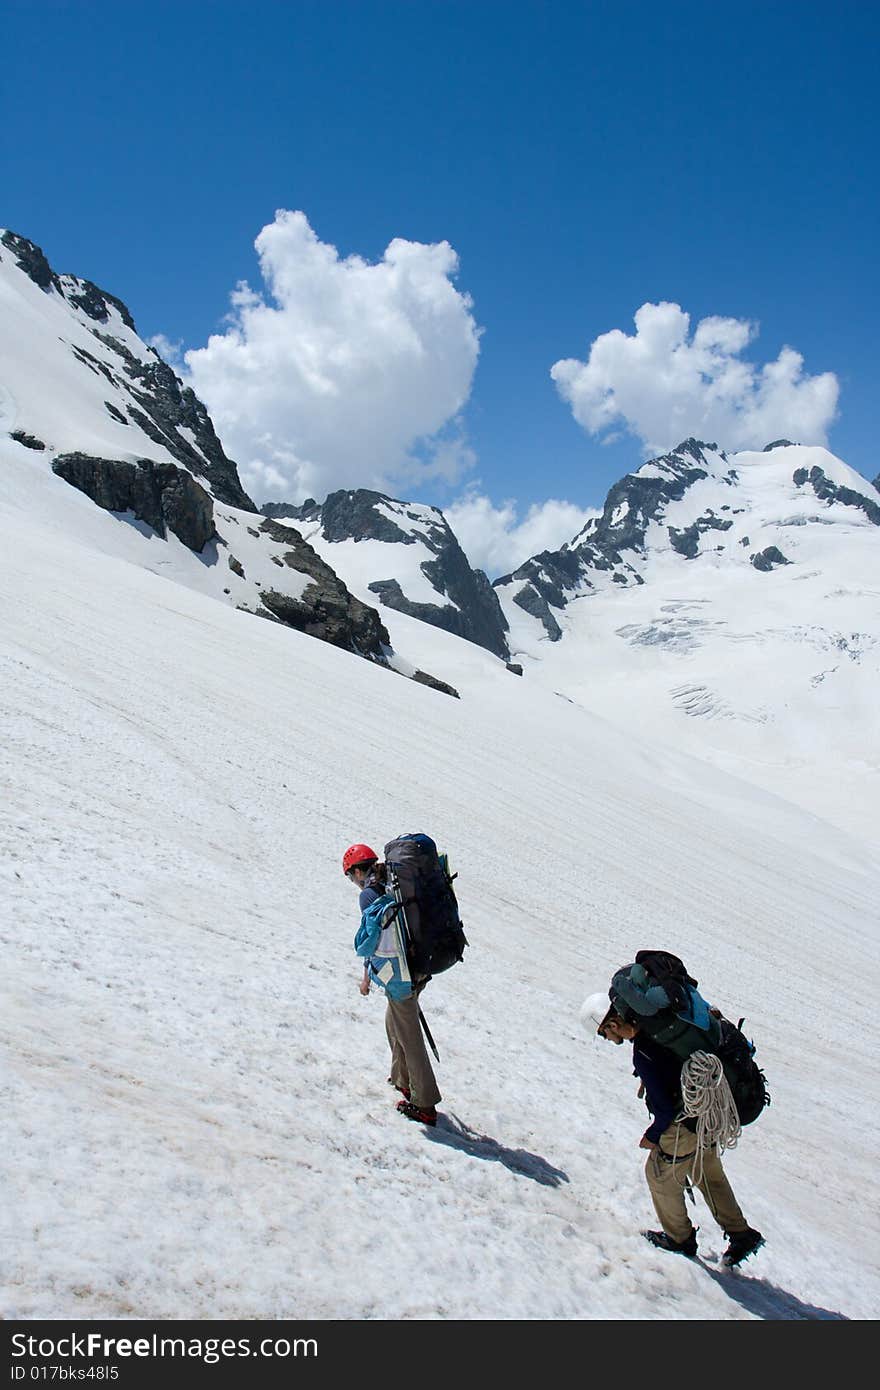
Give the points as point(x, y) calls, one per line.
point(84, 295)
point(696, 448)
point(693, 502)
point(79, 380)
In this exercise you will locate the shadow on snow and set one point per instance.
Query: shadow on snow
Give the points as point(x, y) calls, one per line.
point(451, 1131)
point(768, 1301)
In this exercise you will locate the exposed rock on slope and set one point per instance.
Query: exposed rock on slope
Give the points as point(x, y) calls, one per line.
point(407, 555)
point(160, 494)
point(325, 608)
point(829, 491)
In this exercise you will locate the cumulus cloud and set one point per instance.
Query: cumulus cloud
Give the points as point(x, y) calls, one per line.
point(664, 383)
point(496, 540)
point(170, 352)
point(343, 373)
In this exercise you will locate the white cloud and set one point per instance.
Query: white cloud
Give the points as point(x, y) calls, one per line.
point(497, 541)
point(664, 384)
point(168, 351)
point(347, 373)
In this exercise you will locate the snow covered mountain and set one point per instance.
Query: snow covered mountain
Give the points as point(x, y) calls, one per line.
point(687, 503)
point(85, 402)
point(78, 379)
point(732, 605)
point(407, 556)
point(197, 1122)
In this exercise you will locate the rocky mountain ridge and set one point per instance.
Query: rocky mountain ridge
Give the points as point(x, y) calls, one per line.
point(152, 396)
point(407, 555)
point(84, 395)
point(693, 502)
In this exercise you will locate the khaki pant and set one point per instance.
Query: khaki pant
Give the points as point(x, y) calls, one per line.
point(666, 1181)
point(410, 1064)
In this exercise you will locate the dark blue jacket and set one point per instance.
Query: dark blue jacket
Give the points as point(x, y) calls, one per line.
point(659, 1070)
point(369, 893)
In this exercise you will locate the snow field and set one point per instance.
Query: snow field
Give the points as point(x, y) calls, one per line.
point(199, 1124)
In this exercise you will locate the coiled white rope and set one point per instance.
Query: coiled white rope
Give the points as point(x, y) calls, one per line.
point(707, 1097)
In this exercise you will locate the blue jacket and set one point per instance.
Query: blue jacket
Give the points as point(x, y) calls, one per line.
point(379, 941)
point(369, 894)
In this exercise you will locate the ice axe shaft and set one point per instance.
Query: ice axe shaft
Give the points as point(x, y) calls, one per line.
point(427, 1032)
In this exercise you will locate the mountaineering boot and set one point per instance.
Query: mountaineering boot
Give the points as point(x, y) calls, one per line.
point(664, 1242)
point(426, 1116)
point(742, 1245)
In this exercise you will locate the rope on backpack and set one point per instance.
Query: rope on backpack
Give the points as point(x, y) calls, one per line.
point(708, 1098)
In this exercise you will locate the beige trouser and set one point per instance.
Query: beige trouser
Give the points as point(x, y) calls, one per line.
point(666, 1181)
point(410, 1064)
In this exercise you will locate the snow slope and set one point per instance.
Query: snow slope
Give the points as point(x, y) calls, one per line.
point(197, 1120)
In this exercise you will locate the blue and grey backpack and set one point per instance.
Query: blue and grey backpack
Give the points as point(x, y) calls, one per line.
point(657, 993)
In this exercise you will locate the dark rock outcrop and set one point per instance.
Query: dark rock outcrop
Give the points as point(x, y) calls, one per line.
point(310, 510)
point(472, 610)
point(389, 592)
point(687, 541)
point(636, 501)
point(326, 608)
point(829, 491)
point(355, 516)
point(422, 678)
point(31, 260)
point(166, 497)
point(83, 294)
point(768, 559)
point(96, 303)
point(444, 616)
point(532, 601)
point(551, 578)
point(546, 579)
point(162, 406)
point(778, 444)
point(29, 441)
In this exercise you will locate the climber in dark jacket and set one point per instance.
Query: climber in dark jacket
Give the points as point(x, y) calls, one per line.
point(659, 1071)
point(672, 1145)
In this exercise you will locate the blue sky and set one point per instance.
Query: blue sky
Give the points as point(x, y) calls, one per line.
point(581, 160)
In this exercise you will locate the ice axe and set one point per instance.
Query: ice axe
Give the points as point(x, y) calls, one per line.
point(427, 1031)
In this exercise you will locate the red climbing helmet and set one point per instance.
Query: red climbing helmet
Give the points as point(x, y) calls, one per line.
point(357, 854)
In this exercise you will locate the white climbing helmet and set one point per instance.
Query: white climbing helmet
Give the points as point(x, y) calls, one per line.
point(594, 1010)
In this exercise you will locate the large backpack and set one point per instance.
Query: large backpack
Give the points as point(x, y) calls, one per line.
point(747, 1082)
point(420, 880)
point(668, 971)
point(657, 992)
